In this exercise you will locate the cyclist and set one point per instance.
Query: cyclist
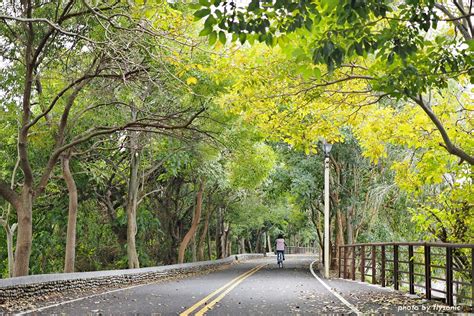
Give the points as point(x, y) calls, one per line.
point(280, 246)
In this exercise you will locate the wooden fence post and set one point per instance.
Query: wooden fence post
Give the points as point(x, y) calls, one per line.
point(340, 249)
point(353, 268)
point(345, 262)
point(374, 267)
point(395, 267)
point(472, 276)
point(362, 263)
point(382, 268)
point(449, 276)
point(427, 272)
point(411, 269)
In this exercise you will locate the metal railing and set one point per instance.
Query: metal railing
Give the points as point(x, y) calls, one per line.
point(432, 268)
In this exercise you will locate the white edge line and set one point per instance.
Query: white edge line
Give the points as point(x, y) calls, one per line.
point(342, 299)
point(76, 299)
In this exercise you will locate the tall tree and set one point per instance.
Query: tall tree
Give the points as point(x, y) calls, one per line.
point(90, 40)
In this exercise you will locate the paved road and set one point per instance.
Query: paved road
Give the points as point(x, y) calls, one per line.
point(257, 287)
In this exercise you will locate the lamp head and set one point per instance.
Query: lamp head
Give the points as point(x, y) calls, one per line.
point(326, 147)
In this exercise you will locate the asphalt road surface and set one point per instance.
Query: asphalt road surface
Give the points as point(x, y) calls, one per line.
point(256, 287)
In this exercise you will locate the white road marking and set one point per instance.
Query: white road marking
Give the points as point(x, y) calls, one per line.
point(342, 299)
point(76, 299)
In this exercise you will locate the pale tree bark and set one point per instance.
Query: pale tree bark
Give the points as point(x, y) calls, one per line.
point(269, 243)
point(264, 242)
point(70, 256)
point(192, 230)
point(228, 248)
point(132, 199)
point(250, 245)
point(242, 245)
point(13, 199)
point(9, 231)
point(4, 221)
point(223, 240)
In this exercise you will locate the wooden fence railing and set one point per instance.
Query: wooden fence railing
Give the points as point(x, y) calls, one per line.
point(439, 270)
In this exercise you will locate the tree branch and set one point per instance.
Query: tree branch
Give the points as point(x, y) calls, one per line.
point(461, 27)
point(11, 196)
point(74, 83)
point(450, 147)
point(53, 25)
point(98, 131)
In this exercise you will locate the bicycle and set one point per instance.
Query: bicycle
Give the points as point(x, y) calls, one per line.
point(280, 259)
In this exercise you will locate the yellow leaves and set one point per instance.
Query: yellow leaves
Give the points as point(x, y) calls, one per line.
point(405, 177)
point(268, 89)
point(191, 81)
point(160, 15)
point(451, 32)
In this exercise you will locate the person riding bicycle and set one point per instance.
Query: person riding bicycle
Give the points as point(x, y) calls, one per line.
point(280, 246)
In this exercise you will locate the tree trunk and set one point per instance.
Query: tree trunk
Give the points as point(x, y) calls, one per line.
point(350, 238)
point(315, 218)
point(70, 255)
point(242, 245)
point(350, 227)
point(258, 243)
point(25, 233)
point(229, 248)
point(269, 243)
point(250, 245)
point(209, 249)
point(132, 200)
point(339, 234)
point(264, 242)
point(173, 253)
point(194, 248)
point(9, 231)
point(194, 224)
point(219, 233)
point(204, 233)
point(224, 240)
point(332, 242)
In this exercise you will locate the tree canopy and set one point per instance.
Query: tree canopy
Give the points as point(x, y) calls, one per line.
point(144, 133)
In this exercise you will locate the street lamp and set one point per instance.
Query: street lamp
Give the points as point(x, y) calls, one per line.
point(327, 149)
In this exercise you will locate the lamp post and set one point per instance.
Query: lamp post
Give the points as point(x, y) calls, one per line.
point(327, 149)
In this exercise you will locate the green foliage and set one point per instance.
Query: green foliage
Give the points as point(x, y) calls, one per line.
point(250, 166)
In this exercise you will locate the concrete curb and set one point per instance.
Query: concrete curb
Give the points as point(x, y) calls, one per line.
point(28, 286)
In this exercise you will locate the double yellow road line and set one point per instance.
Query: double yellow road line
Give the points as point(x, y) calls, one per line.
point(226, 288)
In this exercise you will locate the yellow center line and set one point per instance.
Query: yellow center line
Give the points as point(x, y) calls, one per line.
point(217, 299)
point(204, 300)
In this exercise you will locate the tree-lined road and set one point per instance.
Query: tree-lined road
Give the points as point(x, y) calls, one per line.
point(256, 287)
